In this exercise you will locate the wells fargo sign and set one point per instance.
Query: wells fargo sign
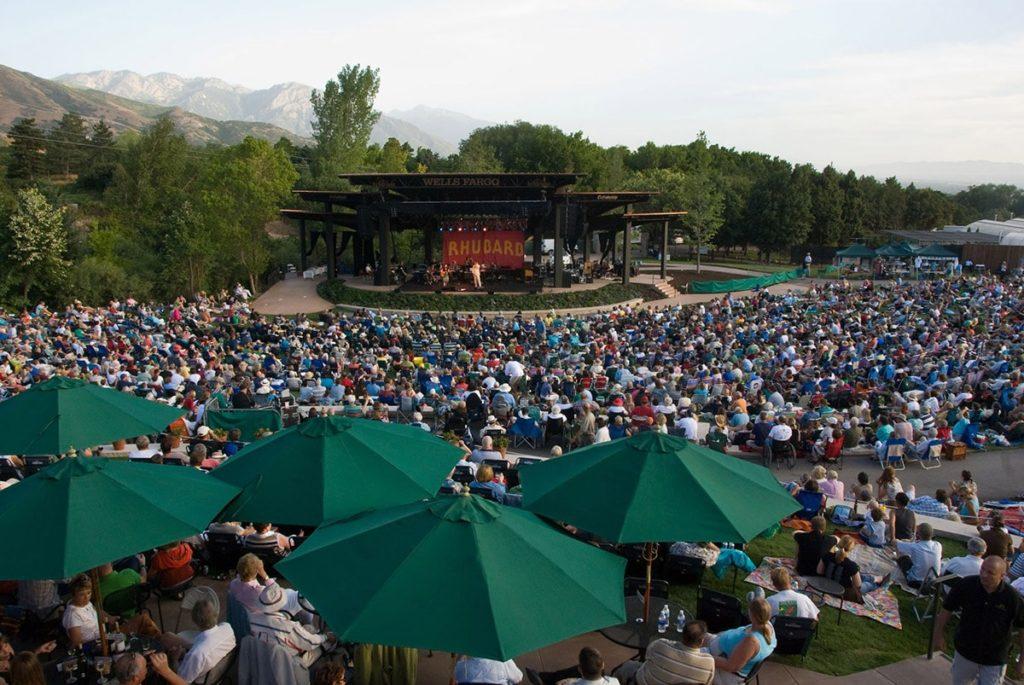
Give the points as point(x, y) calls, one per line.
point(499, 248)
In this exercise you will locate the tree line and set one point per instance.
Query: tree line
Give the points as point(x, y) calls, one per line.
point(90, 214)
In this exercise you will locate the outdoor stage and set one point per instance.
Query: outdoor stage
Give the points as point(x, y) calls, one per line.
point(366, 283)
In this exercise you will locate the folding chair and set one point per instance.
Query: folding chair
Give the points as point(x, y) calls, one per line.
point(719, 610)
point(933, 459)
point(192, 597)
point(933, 589)
point(635, 587)
point(463, 474)
point(894, 455)
point(687, 570)
point(794, 635)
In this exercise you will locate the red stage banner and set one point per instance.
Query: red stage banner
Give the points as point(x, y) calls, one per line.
point(493, 248)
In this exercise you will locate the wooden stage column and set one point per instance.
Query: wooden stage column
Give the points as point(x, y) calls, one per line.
point(332, 266)
point(537, 247)
point(428, 245)
point(664, 249)
point(626, 231)
point(303, 249)
point(383, 273)
point(560, 212)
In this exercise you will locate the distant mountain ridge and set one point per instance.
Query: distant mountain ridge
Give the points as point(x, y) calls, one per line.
point(950, 177)
point(284, 104)
point(25, 95)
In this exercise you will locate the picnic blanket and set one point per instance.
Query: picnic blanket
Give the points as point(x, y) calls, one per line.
point(880, 605)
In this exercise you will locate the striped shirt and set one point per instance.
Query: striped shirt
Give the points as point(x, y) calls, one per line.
point(669, 662)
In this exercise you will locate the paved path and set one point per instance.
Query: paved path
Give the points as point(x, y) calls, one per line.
point(998, 473)
point(292, 296)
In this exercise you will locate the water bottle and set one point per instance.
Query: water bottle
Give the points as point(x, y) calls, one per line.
point(795, 585)
point(680, 621)
point(663, 619)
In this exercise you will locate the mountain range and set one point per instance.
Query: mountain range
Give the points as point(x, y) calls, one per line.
point(285, 105)
point(950, 177)
point(25, 95)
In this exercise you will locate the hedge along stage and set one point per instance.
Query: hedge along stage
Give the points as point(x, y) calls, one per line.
point(738, 284)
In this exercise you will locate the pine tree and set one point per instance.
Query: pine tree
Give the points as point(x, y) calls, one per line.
point(27, 145)
point(65, 149)
point(38, 245)
point(98, 168)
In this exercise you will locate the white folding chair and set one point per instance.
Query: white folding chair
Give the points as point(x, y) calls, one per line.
point(894, 457)
point(933, 459)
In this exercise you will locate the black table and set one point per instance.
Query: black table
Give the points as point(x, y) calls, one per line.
point(823, 586)
point(637, 635)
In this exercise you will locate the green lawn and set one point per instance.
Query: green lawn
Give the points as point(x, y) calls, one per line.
point(854, 645)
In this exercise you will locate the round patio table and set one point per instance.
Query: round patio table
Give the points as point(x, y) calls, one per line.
point(824, 586)
point(638, 634)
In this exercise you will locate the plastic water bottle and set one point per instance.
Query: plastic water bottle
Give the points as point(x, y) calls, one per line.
point(663, 619)
point(680, 621)
point(795, 585)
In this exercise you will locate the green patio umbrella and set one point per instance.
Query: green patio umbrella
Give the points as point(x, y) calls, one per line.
point(457, 573)
point(655, 487)
point(61, 414)
point(82, 512)
point(332, 467)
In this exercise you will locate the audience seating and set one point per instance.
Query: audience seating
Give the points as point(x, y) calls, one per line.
point(685, 569)
point(718, 610)
point(794, 634)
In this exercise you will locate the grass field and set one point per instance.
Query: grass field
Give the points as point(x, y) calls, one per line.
point(854, 645)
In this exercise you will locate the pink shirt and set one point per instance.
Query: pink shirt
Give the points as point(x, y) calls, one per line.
point(833, 488)
point(248, 593)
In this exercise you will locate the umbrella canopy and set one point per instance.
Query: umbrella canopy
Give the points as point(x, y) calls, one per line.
point(657, 488)
point(332, 467)
point(457, 573)
point(61, 414)
point(82, 512)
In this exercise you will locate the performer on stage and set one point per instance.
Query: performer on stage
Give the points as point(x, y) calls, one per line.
point(474, 270)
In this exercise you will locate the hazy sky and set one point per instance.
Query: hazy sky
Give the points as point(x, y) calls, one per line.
point(853, 82)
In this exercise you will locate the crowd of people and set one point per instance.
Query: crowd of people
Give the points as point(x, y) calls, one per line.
point(840, 366)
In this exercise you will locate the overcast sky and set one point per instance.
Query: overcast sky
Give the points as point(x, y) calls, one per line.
point(855, 82)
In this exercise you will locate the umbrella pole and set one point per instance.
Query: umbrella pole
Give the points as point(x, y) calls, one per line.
point(650, 553)
point(94, 574)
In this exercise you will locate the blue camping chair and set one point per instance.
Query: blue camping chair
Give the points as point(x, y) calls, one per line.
point(525, 431)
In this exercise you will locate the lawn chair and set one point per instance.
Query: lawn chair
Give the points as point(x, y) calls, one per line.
point(894, 454)
point(834, 452)
point(813, 503)
point(636, 587)
point(524, 431)
point(794, 635)
point(687, 570)
point(719, 610)
point(718, 441)
point(931, 593)
point(192, 597)
point(933, 456)
point(222, 552)
point(463, 474)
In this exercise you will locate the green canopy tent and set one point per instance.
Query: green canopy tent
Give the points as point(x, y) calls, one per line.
point(895, 251)
point(935, 251)
point(62, 414)
point(657, 488)
point(332, 467)
point(459, 574)
point(855, 254)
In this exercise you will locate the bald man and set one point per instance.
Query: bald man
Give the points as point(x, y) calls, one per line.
point(991, 609)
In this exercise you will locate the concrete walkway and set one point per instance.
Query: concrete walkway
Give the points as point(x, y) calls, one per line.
point(292, 296)
point(435, 669)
